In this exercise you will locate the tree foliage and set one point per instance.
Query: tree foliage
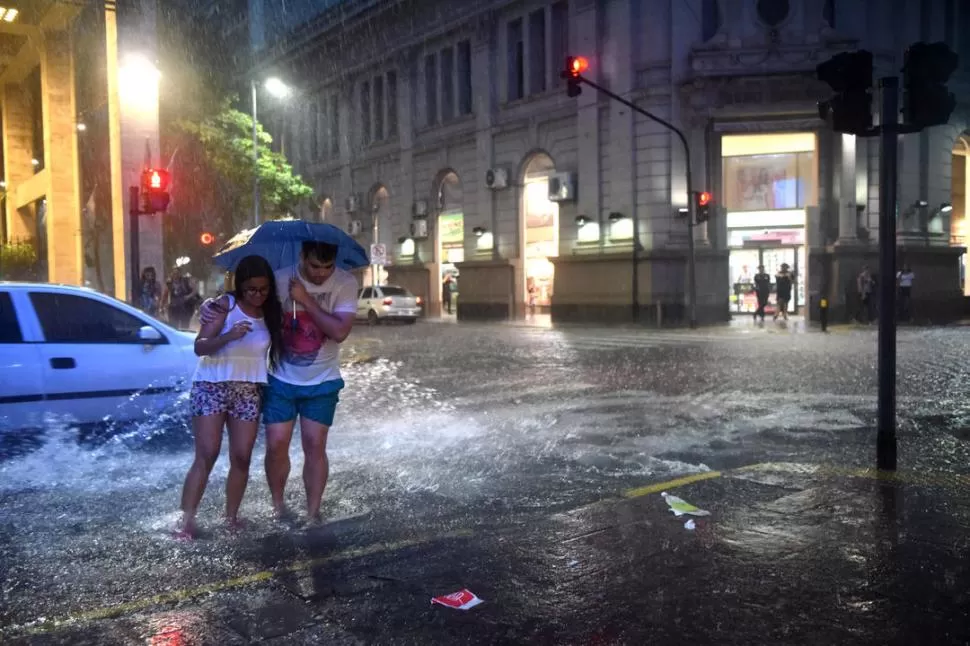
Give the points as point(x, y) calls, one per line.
point(212, 167)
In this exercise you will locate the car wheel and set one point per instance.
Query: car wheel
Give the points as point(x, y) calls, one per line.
point(372, 318)
point(411, 321)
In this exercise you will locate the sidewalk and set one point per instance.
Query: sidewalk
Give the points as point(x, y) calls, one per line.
point(791, 554)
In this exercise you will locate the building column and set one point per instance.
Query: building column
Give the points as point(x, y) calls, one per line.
point(846, 200)
point(583, 22)
point(484, 89)
point(617, 48)
point(65, 257)
point(17, 153)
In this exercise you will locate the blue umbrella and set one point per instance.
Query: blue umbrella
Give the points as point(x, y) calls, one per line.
point(279, 243)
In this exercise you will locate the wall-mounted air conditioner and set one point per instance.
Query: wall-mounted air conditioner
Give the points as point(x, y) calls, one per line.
point(562, 187)
point(419, 229)
point(353, 203)
point(355, 227)
point(496, 178)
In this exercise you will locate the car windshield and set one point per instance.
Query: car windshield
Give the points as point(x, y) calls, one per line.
point(395, 291)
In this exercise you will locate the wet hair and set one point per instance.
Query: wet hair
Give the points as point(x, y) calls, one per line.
point(321, 251)
point(257, 267)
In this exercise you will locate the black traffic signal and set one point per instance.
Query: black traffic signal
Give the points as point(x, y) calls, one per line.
point(926, 69)
point(703, 203)
point(155, 184)
point(575, 66)
point(850, 76)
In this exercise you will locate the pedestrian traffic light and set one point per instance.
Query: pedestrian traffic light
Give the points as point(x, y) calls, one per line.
point(850, 76)
point(926, 69)
point(207, 238)
point(575, 66)
point(154, 190)
point(703, 201)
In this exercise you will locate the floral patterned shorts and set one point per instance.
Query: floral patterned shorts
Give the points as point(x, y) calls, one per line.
point(239, 399)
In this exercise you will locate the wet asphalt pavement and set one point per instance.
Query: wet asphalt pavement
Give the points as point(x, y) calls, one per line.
point(525, 464)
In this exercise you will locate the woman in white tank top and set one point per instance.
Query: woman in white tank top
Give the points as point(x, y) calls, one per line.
point(227, 388)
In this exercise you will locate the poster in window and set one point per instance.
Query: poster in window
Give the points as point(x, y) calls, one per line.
point(761, 182)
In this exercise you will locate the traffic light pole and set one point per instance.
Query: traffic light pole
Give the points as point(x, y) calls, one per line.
point(888, 133)
point(691, 211)
point(134, 232)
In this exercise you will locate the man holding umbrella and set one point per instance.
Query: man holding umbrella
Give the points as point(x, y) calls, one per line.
point(319, 307)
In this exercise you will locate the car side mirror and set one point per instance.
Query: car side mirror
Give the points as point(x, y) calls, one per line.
point(148, 334)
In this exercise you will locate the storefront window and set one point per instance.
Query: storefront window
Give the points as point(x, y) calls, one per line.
point(769, 182)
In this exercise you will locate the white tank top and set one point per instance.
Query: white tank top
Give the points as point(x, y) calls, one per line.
point(244, 359)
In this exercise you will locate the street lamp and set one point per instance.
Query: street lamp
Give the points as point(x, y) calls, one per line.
point(280, 90)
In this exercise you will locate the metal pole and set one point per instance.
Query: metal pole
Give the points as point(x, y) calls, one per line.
point(888, 125)
point(134, 233)
point(375, 239)
point(691, 214)
point(635, 297)
point(691, 257)
point(252, 84)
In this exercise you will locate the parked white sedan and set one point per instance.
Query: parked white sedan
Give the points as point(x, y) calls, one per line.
point(83, 357)
point(385, 302)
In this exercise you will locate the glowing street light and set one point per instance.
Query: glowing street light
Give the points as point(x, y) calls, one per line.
point(277, 88)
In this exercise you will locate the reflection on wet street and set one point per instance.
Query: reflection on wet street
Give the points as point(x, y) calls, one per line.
point(502, 459)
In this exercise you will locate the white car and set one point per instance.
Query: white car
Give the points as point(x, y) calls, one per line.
point(83, 357)
point(386, 302)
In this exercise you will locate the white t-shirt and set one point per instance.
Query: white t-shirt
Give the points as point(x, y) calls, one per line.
point(310, 358)
point(240, 360)
point(905, 279)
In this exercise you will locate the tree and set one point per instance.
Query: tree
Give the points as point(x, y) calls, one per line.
point(212, 179)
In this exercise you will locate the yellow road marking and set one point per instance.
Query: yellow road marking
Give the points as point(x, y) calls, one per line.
point(671, 484)
point(50, 625)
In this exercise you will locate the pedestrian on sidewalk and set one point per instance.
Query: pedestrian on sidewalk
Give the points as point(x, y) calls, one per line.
point(783, 286)
point(446, 288)
point(227, 388)
point(150, 292)
point(306, 383)
point(762, 290)
point(865, 287)
point(905, 281)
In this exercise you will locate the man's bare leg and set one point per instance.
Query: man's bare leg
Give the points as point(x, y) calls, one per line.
point(278, 438)
point(316, 466)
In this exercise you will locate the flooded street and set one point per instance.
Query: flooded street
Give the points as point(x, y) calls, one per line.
point(473, 435)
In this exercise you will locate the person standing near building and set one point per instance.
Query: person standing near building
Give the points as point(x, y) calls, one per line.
point(783, 287)
point(865, 285)
point(762, 290)
point(446, 288)
point(905, 281)
point(180, 299)
point(150, 294)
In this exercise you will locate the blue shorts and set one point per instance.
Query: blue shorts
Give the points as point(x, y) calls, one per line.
point(282, 402)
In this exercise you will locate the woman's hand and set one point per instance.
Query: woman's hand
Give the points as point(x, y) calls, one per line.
point(239, 330)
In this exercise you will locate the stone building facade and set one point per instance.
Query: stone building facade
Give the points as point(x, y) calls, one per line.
point(440, 129)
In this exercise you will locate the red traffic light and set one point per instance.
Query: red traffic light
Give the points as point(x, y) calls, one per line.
point(703, 198)
point(155, 179)
point(576, 65)
point(207, 238)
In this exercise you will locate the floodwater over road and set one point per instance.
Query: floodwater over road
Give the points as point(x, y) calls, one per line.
point(444, 429)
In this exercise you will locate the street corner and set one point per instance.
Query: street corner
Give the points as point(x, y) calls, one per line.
point(773, 544)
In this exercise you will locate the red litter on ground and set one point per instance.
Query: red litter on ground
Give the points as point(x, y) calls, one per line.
point(464, 599)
